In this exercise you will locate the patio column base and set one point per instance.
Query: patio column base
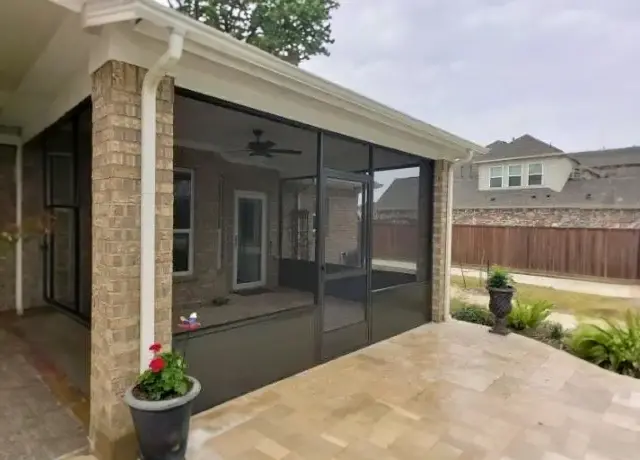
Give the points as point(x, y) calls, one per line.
point(115, 309)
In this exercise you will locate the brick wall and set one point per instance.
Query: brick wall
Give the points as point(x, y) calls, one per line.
point(343, 227)
point(550, 217)
point(440, 190)
point(210, 172)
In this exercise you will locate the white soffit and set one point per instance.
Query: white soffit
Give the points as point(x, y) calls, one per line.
point(217, 65)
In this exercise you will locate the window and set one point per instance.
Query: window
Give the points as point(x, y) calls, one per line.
point(515, 175)
point(535, 174)
point(495, 177)
point(182, 221)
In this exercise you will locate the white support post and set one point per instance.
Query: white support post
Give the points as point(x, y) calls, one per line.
point(16, 141)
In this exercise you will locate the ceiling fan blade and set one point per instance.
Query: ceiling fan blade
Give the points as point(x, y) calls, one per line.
point(260, 153)
point(244, 150)
point(261, 145)
point(286, 151)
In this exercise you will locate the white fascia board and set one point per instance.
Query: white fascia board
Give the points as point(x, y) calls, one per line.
point(242, 62)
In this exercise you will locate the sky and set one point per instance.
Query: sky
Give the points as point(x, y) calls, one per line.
point(564, 71)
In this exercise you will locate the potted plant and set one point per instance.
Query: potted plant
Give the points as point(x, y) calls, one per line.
point(499, 285)
point(160, 402)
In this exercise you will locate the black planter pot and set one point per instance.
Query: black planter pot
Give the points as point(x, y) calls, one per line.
point(500, 306)
point(162, 427)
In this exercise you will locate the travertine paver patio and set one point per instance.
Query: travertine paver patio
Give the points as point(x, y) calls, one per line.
point(447, 391)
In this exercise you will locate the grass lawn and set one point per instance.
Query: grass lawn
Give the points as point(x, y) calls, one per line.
point(575, 303)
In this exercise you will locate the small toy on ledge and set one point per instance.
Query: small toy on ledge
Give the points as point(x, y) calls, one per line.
point(189, 324)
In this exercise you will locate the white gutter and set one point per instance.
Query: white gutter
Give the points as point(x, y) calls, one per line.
point(449, 235)
point(16, 141)
point(148, 192)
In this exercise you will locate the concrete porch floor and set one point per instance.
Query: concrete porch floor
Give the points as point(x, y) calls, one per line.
point(447, 391)
point(42, 414)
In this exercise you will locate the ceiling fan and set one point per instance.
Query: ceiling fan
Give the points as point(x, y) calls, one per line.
point(266, 149)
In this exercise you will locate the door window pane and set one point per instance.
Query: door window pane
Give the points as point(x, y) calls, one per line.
point(344, 240)
point(249, 240)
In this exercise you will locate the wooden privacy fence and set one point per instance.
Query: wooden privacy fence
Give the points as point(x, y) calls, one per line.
point(601, 252)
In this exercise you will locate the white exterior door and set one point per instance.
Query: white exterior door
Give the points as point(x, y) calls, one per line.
point(249, 240)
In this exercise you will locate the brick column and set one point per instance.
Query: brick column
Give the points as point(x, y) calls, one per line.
point(440, 190)
point(115, 315)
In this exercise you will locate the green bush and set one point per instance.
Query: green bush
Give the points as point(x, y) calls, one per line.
point(499, 278)
point(473, 314)
point(529, 316)
point(613, 346)
point(555, 330)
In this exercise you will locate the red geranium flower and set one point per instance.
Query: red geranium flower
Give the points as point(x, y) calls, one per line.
point(156, 347)
point(156, 364)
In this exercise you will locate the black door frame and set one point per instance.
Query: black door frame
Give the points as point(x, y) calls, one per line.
point(365, 178)
point(73, 310)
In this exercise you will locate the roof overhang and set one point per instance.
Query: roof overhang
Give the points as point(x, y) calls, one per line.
point(215, 64)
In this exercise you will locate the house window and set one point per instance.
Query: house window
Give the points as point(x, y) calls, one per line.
point(535, 174)
point(515, 175)
point(495, 177)
point(182, 221)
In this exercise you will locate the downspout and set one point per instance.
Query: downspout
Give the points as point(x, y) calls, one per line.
point(19, 243)
point(449, 235)
point(148, 192)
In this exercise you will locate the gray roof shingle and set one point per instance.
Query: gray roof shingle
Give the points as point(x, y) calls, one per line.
point(523, 146)
point(610, 157)
point(402, 194)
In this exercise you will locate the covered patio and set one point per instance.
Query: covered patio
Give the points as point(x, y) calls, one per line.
point(186, 171)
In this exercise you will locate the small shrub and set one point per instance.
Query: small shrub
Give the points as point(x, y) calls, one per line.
point(555, 331)
point(499, 278)
point(613, 346)
point(529, 316)
point(473, 314)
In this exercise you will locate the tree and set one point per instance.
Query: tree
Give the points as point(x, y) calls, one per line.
point(293, 30)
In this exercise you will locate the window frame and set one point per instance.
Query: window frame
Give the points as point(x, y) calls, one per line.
point(492, 176)
point(541, 184)
point(509, 175)
point(190, 230)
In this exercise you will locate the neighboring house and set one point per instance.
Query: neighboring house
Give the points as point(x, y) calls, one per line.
point(527, 182)
point(165, 200)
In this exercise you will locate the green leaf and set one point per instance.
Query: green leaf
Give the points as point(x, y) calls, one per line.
point(294, 30)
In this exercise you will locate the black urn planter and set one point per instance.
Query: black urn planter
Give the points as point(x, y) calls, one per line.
point(500, 306)
point(162, 427)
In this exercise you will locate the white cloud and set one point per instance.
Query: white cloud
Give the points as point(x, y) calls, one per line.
point(566, 71)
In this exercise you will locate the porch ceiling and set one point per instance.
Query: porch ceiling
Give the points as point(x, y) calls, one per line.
point(24, 37)
point(43, 46)
point(205, 126)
